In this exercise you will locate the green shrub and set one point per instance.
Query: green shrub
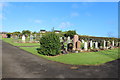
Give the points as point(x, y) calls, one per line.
point(50, 44)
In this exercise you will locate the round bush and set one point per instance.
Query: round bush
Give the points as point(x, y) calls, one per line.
point(50, 44)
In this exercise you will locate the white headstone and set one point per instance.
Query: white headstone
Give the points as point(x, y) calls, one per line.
point(68, 39)
point(35, 35)
point(40, 35)
point(113, 43)
point(85, 46)
point(23, 38)
point(96, 45)
point(61, 40)
point(83, 41)
point(31, 37)
point(104, 44)
point(91, 44)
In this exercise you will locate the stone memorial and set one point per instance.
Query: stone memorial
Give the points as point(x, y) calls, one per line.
point(61, 39)
point(91, 44)
point(113, 43)
point(75, 39)
point(23, 38)
point(83, 41)
point(78, 45)
point(31, 38)
point(104, 44)
point(40, 35)
point(68, 39)
point(85, 46)
point(96, 45)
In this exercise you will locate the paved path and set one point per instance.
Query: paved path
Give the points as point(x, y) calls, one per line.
point(18, 63)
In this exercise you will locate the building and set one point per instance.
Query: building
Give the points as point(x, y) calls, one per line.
point(57, 31)
point(43, 31)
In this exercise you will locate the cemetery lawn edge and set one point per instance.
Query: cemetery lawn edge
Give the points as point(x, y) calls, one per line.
point(84, 58)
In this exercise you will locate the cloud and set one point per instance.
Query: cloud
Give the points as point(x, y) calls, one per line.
point(74, 14)
point(38, 21)
point(65, 25)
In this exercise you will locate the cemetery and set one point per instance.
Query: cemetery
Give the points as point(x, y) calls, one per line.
point(97, 50)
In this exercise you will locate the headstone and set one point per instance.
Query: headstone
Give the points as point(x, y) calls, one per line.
point(78, 45)
point(85, 46)
point(108, 44)
point(61, 39)
point(104, 44)
point(40, 35)
point(23, 38)
point(96, 45)
point(35, 36)
point(75, 39)
point(31, 37)
point(113, 43)
point(91, 44)
point(15, 38)
point(68, 40)
point(83, 41)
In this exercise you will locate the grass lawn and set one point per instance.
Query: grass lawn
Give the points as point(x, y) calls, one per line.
point(11, 41)
point(85, 58)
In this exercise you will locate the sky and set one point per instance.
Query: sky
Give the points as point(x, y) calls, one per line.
point(87, 18)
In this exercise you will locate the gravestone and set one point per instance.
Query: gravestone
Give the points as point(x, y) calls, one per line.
point(104, 44)
point(23, 38)
point(15, 38)
point(75, 39)
point(61, 39)
point(68, 39)
point(78, 45)
point(35, 37)
point(96, 45)
point(31, 38)
point(91, 44)
point(83, 41)
point(85, 46)
point(113, 43)
point(40, 35)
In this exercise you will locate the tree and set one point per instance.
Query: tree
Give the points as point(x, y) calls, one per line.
point(27, 32)
point(16, 33)
point(70, 33)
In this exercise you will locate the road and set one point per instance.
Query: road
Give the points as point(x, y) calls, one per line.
point(17, 63)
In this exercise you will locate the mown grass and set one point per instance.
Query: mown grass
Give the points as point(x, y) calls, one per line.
point(85, 58)
point(12, 41)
